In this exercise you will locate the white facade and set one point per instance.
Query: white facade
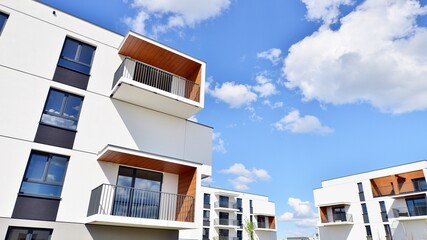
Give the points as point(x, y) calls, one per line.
point(387, 204)
point(130, 126)
point(225, 214)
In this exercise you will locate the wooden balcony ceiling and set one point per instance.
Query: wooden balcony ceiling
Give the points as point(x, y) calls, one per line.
point(157, 56)
point(144, 162)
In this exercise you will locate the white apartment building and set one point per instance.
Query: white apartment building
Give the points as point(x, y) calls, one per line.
point(384, 204)
point(94, 138)
point(225, 214)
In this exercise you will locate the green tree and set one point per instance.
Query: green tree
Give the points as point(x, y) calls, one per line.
point(250, 229)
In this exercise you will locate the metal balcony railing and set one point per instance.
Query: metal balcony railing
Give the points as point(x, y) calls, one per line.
point(132, 202)
point(414, 211)
point(157, 78)
point(227, 238)
point(402, 188)
point(226, 222)
point(231, 205)
point(339, 217)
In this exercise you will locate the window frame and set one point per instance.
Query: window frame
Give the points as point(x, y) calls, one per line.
point(5, 21)
point(29, 231)
point(45, 175)
point(63, 106)
point(77, 54)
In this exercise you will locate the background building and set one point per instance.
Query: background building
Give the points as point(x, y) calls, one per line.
point(226, 212)
point(387, 204)
point(94, 137)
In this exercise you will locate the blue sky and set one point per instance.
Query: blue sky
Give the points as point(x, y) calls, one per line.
point(299, 90)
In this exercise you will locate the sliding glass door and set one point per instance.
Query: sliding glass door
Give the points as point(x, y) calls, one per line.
point(137, 193)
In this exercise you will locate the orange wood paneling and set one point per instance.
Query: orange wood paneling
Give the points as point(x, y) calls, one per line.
point(159, 57)
point(187, 186)
point(395, 184)
point(272, 221)
point(143, 162)
point(324, 214)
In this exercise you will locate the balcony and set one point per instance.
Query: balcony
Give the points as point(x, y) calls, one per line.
point(227, 238)
point(402, 189)
point(226, 206)
point(116, 205)
point(144, 85)
point(338, 219)
point(416, 212)
point(226, 223)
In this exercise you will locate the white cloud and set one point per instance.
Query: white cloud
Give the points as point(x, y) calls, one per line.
point(376, 56)
point(163, 15)
point(264, 88)
point(302, 213)
point(244, 176)
point(325, 10)
point(272, 105)
point(218, 144)
point(273, 55)
point(235, 95)
point(295, 123)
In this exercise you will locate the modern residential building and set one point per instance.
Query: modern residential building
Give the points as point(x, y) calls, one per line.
point(386, 204)
point(94, 137)
point(225, 214)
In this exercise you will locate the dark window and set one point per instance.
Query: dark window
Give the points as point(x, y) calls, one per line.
point(417, 206)
point(387, 232)
point(3, 19)
point(339, 214)
point(223, 218)
point(207, 200)
point(62, 109)
point(44, 175)
point(223, 233)
point(18, 233)
point(365, 213)
point(419, 184)
point(206, 218)
point(76, 56)
point(361, 193)
point(223, 202)
point(251, 209)
point(261, 222)
point(138, 193)
point(368, 232)
point(205, 233)
point(383, 211)
point(239, 220)
point(239, 204)
point(239, 235)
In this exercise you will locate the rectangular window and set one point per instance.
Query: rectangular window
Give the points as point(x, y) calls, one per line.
point(387, 232)
point(383, 211)
point(251, 209)
point(223, 202)
point(205, 233)
point(361, 193)
point(419, 184)
point(368, 232)
point(223, 218)
point(417, 206)
point(3, 19)
point(365, 213)
point(239, 220)
point(239, 204)
point(207, 200)
point(62, 109)
point(206, 218)
point(339, 214)
point(76, 56)
point(239, 235)
point(44, 175)
point(223, 233)
point(18, 233)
